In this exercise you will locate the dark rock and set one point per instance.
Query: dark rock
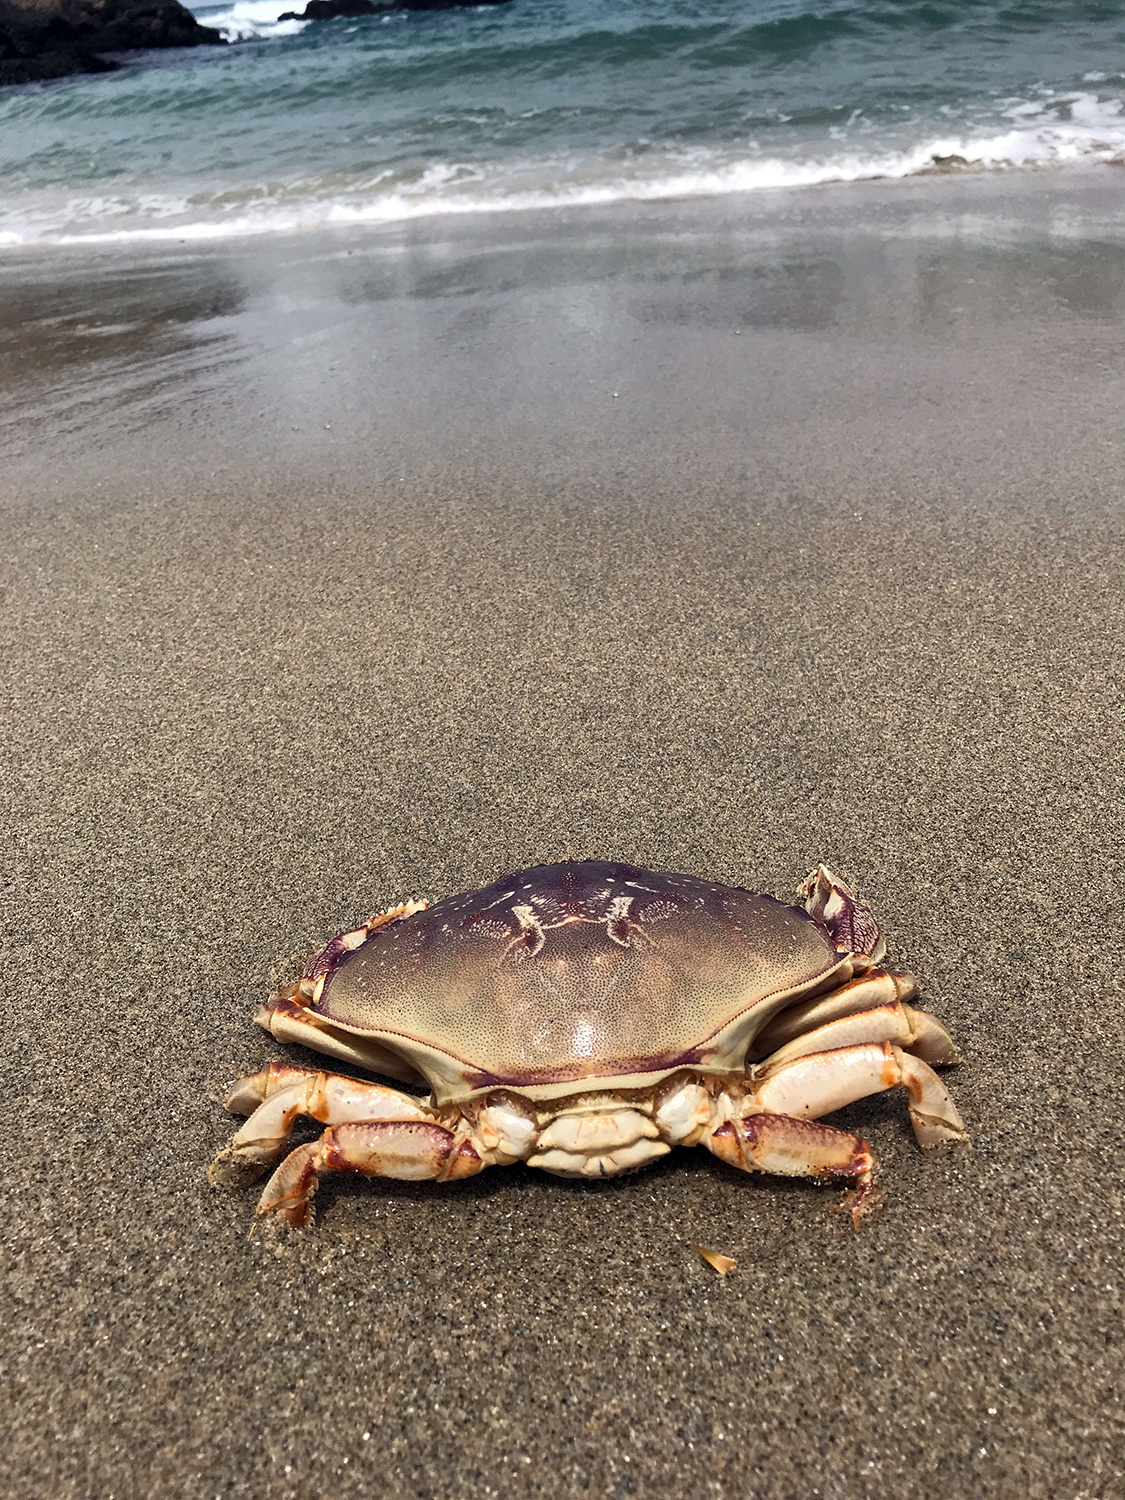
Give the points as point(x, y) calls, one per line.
point(50, 38)
point(329, 10)
point(49, 65)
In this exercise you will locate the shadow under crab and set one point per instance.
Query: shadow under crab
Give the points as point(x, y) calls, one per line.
point(585, 1018)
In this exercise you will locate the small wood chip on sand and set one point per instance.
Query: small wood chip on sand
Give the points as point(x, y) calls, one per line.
point(715, 1259)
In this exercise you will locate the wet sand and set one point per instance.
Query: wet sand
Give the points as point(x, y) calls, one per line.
point(717, 537)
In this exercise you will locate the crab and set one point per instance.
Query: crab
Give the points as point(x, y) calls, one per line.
point(587, 1017)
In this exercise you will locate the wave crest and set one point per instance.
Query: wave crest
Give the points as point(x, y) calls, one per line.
point(1074, 128)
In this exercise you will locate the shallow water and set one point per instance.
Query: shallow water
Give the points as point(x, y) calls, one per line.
point(540, 102)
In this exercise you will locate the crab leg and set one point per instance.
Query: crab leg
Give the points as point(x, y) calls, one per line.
point(915, 1031)
point(411, 1150)
point(253, 1089)
point(876, 987)
point(279, 1095)
point(808, 1087)
point(790, 1147)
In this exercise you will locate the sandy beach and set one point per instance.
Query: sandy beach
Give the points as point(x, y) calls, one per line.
point(722, 537)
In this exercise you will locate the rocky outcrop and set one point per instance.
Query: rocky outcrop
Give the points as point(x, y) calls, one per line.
point(50, 38)
point(329, 10)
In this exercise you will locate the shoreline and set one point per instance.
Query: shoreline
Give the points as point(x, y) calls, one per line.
point(230, 234)
point(1082, 201)
point(330, 353)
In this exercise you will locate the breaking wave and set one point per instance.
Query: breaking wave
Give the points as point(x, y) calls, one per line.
point(1081, 128)
point(246, 19)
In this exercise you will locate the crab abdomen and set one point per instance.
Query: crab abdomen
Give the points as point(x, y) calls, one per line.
point(572, 972)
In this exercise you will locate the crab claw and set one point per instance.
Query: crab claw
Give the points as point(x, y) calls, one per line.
point(848, 920)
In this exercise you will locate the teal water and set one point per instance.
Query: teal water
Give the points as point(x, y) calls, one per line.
point(551, 101)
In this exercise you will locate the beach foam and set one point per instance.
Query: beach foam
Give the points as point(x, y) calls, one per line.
point(1042, 132)
point(256, 18)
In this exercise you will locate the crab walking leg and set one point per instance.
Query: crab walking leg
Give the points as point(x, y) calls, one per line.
point(876, 988)
point(808, 1087)
point(913, 1030)
point(789, 1147)
point(411, 1150)
point(285, 1094)
point(254, 1088)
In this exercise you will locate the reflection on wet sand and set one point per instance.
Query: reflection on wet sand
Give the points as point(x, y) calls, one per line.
point(79, 343)
point(101, 342)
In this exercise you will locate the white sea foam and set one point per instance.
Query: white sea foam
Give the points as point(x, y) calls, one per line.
point(1050, 131)
point(254, 18)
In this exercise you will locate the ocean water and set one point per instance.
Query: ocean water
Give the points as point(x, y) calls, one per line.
point(542, 102)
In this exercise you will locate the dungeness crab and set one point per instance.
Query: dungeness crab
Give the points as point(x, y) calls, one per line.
point(586, 1017)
